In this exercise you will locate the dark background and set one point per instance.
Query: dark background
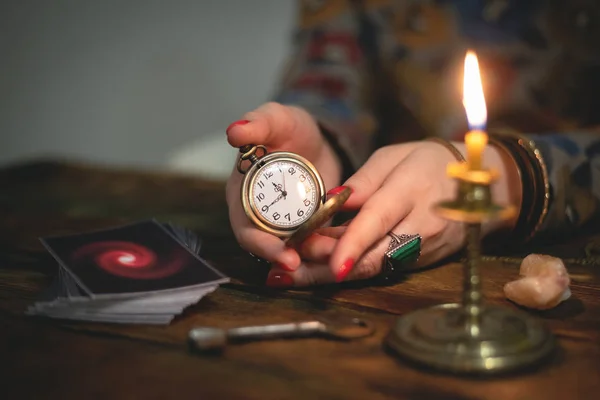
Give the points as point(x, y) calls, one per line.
point(148, 83)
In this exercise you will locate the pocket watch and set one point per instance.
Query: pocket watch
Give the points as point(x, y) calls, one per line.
point(283, 193)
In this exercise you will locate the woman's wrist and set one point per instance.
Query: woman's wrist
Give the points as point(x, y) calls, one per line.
point(332, 169)
point(535, 187)
point(334, 150)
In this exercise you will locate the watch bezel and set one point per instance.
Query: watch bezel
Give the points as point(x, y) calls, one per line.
point(250, 176)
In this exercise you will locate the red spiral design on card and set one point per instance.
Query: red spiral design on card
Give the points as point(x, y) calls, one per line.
point(127, 259)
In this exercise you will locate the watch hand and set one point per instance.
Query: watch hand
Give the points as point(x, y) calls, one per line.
point(276, 200)
point(279, 188)
point(283, 178)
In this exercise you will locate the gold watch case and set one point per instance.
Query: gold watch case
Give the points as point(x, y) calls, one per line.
point(322, 212)
point(254, 171)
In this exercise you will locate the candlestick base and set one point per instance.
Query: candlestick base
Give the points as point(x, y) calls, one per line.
point(437, 337)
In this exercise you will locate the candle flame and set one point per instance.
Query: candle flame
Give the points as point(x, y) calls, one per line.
point(473, 98)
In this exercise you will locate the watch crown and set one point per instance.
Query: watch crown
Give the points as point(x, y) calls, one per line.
point(246, 148)
point(248, 152)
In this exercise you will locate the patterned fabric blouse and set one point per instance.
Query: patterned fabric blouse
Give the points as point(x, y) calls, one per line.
point(384, 71)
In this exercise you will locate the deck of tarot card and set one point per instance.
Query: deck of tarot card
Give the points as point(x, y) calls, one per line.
point(143, 273)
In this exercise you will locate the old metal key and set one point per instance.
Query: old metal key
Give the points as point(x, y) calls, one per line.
point(208, 339)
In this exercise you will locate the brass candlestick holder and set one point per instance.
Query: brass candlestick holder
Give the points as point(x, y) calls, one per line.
point(471, 337)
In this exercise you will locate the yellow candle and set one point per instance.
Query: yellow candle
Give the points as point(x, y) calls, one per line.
point(475, 140)
point(474, 102)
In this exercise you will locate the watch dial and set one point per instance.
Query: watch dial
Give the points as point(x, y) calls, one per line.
point(284, 193)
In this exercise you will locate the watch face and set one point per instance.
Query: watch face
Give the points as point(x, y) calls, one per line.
point(284, 193)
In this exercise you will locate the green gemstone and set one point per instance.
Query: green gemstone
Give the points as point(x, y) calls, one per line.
point(408, 252)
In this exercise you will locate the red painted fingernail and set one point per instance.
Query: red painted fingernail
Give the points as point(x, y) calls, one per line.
point(344, 270)
point(240, 122)
point(337, 190)
point(283, 266)
point(280, 281)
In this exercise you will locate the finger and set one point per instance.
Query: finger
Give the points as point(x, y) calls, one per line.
point(317, 248)
point(320, 245)
point(272, 124)
point(307, 274)
point(268, 247)
point(434, 247)
point(369, 178)
point(257, 242)
point(333, 231)
point(314, 272)
point(439, 238)
point(370, 263)
point(380, 213)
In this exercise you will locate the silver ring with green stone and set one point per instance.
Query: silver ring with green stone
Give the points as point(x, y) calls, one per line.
point(402, 254)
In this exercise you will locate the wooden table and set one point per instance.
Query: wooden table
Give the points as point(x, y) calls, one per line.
point(45, 359)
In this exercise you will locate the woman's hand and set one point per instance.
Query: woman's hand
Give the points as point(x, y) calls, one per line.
point(278, 128)
point(395, 191)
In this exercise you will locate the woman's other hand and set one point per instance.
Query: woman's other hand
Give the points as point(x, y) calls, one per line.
point(395, 191)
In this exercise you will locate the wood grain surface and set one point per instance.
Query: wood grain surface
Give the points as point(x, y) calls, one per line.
point(48, 359)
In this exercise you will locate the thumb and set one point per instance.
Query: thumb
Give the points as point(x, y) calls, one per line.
point(272, 125)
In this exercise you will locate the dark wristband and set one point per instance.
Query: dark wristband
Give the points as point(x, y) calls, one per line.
point(348, 168)
point(535, 191)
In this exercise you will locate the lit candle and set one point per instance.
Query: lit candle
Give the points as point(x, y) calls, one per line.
point(476, 140)
point(474, 102)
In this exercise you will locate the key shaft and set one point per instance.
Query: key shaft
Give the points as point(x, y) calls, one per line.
point(209, 339)
point(273, 331)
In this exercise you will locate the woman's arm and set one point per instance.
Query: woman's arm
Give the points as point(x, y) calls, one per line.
point(572, 162)
point(560, 182)
point(328, 76)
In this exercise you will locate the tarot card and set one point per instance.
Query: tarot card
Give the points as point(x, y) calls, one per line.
point(134, 259)
point(185, 236)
